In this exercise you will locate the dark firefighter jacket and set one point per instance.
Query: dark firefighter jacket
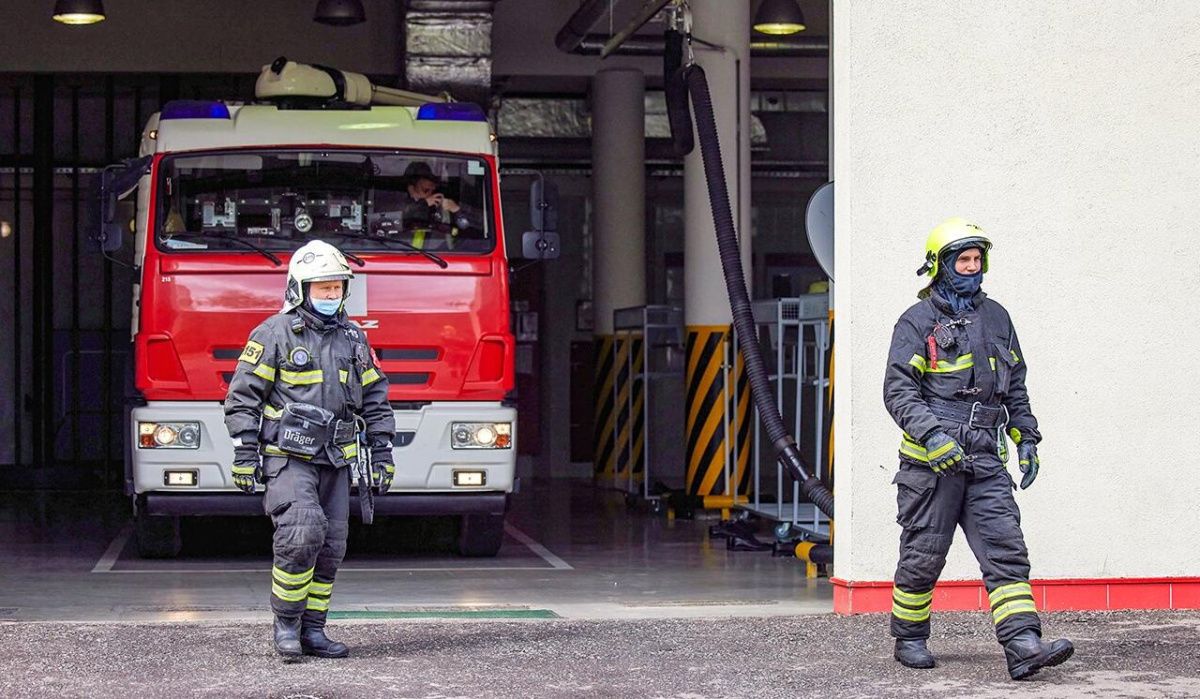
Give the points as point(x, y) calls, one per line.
point(984, 364)
point(297, 357)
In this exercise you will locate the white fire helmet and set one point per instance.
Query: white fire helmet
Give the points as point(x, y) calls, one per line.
point(316, 261)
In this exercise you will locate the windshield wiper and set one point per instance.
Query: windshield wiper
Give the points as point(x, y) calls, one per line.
point(217, 236)
point(389, 241)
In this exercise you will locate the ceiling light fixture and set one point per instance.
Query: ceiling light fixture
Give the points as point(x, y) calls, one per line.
point(340, 13)
point(78, 12)
point(779, 17)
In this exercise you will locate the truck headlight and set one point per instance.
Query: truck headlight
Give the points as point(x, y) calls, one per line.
point(168, 435)
point(481, 435)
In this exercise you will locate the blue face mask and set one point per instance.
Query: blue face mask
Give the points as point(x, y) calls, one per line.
point(326, 307)
point(958, 289)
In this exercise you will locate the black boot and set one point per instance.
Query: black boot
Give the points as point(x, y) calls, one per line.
point(287, 636)
point(315, 642)
point(912, 652)
point(1027, 653)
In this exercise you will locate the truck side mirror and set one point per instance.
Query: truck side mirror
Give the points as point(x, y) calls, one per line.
point(539, 245)
point(543, 205)
point(111, 215)
point(542, 243)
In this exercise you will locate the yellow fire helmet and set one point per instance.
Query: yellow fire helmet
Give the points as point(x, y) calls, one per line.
point(315, 261)
point(952, 235)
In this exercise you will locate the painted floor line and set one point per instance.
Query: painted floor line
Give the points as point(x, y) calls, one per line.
point(109, 559)
point(555, 561)
point(341, 571)
point(113, 552)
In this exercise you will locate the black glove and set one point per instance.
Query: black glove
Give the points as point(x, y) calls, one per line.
point(1027, 460)
point(247, 466)
point(945, 454)
point(383, 469)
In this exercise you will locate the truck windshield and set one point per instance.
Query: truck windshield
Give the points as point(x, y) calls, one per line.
point(368, 201)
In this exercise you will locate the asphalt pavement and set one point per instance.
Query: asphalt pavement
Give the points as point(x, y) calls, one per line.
point(1119, 654)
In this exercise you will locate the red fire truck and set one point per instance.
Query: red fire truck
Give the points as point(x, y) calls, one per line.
point(225, 192)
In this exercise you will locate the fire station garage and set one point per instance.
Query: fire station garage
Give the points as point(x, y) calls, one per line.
point(604, 349)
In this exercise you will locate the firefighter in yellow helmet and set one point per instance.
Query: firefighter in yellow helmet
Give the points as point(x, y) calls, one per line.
point(305, 385)
point(955, 384)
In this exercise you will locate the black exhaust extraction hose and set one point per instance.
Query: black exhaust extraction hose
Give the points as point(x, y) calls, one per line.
point(739, 300)
point(679, 116)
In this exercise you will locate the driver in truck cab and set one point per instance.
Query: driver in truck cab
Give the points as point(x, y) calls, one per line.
point(430, 218)
point(306, 385)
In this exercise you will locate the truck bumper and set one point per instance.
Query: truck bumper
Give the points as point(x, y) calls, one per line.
point(240, 504)
point(425, 463)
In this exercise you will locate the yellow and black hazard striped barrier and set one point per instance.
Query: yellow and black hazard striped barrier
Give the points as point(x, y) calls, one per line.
point(705, 405)
point(743, 427)
point(718, 405)
point(605, 417)
point(629, 446)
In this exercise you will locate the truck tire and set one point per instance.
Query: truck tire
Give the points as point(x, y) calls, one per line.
point(157, 537)
point(480, 536)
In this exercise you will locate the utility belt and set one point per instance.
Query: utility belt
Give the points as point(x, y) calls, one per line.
point(305, 430)
point(975, 415)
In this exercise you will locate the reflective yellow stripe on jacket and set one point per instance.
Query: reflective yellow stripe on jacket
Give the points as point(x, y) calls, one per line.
point(272, 450)
point(964, 362)
point(301, 378)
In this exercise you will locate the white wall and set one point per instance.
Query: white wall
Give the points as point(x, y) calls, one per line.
point(1068, 131)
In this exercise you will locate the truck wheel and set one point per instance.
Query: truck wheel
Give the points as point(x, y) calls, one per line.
point(480, 536)
point(157, 537)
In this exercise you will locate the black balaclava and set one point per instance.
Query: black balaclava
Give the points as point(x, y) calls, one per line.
point(958, 289)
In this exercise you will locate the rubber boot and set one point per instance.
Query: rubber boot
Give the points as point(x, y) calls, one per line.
point(314, 642)
point(287, 636)
point(1027, 653)
point(912, 652)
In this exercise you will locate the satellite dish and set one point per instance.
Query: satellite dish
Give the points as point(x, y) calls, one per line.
point(818, 220)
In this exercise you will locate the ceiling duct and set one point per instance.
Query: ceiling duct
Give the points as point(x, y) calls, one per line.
point(548, 117)
point(448, 48)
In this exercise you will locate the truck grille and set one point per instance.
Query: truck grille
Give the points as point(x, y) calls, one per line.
point(409, 354)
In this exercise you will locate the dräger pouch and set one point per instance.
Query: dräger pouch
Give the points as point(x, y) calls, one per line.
point(304, 429)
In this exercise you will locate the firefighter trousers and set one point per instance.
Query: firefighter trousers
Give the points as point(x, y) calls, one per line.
point(309, 505)
point(978, 498)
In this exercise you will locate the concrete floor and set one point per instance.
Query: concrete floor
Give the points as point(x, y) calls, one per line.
point(570, 550)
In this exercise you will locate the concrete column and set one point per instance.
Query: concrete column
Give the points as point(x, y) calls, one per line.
point(618, 249)
point(707, 314)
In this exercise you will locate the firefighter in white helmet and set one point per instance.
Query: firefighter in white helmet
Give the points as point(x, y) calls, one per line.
point(305, 381)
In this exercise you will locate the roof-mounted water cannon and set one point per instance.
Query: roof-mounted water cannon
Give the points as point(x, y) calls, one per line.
point(300, 84)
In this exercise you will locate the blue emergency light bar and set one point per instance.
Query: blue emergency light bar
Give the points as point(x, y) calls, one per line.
point(193, 109)
point(451, 111)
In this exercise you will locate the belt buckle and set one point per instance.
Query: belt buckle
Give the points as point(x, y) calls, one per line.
point(971, 418)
